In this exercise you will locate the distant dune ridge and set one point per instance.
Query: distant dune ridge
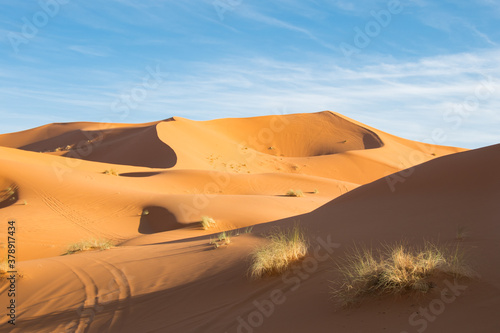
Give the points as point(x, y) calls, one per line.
point(145, 187)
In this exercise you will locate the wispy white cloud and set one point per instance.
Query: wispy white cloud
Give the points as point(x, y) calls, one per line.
point(439, 20)
point(260, 58)
point(90, 50)
point(450, 23)
point(250, 13)
point(482, 35)
point(409, 99)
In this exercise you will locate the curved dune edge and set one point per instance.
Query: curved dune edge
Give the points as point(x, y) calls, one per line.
point(138, 146)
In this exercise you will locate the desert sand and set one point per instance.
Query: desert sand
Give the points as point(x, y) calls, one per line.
point(145, 187)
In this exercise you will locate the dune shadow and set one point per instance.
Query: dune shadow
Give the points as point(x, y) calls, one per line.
point(139, 174)
point(157, 219)
point(372, 141)
point(134, 146)
point(131, 146)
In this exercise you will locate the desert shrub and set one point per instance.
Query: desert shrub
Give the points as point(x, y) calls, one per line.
point(207, 222)
point(294, 193)
point(396, 269)
point(283, 249)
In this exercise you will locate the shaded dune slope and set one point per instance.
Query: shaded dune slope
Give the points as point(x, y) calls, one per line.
point(105, 143)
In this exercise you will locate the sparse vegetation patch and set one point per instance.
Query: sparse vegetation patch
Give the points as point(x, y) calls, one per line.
point(396, 269)
point(207, 222)
point(294, 193)
point(89, 245)
point(224, 238)
point(8, 194)
point(283, 249)
point(112, 172)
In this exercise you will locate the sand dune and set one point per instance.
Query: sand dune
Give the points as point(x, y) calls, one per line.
point(190, 169)
point(360, 185)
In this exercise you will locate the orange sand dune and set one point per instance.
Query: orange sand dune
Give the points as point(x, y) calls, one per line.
point(188, 169)
point(165, 276)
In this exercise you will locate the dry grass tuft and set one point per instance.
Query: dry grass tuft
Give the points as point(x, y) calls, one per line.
point(396, 269)
point(224, 238)
point(111, 172)
point(89, 245)
point(4, 268)
point(207, 222)
point(8, 194)
point(284, 248)
point(294, 193)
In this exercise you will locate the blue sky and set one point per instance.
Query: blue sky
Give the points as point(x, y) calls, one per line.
point(408, 67)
